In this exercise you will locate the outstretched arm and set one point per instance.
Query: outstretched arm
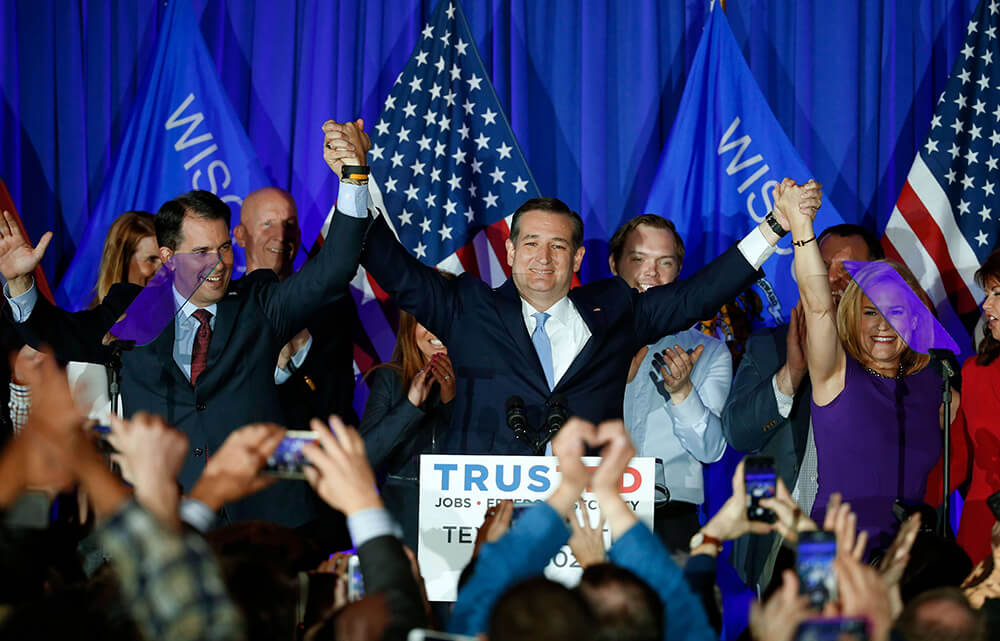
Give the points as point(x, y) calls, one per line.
point(824, 353)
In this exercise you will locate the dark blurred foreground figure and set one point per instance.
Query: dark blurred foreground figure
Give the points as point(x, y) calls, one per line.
point(164, 582)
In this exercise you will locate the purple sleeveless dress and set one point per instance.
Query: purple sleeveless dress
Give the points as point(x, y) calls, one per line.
point(876, 442)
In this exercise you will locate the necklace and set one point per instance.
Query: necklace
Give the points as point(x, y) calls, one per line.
point(899, 373)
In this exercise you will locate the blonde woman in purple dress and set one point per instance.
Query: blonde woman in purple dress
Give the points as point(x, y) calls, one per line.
point(875, 403)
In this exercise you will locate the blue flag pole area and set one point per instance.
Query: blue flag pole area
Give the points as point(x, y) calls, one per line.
point(182, 135)
point(725, 153)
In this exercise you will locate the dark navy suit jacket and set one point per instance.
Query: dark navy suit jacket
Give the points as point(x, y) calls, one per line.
point(494, 358)
point(254, 320)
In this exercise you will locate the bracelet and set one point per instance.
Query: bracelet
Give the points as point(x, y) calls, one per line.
point(803, 243)
point(775, 226)
point(355, 172)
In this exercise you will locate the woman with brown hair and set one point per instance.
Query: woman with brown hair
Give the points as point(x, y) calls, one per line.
point(131, 253)
point(875, 403)
point(975, 432)
point(408, 411)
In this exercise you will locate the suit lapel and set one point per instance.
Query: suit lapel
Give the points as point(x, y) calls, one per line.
point(226, 311)
point(596, 322)
point(509, 306)
point(163, 347)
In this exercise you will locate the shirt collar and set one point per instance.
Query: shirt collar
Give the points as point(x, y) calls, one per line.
point(561, 312)
point(187, 308)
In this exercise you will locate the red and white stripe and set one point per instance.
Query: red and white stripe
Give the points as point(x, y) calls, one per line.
point(923, 235)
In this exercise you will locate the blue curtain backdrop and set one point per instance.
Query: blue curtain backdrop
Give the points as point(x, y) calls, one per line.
point(591, 89)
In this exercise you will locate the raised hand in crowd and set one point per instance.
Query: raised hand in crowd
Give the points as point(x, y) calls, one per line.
point(893, 564)
point(587, 540)
point(340, 472)
point(796, 367)
point(616, 452)
point(17, 257)
point(234, 472)
point(675, 365)
point(345, 144)
point(154, 453)
point(843, 523)
point(495, 524)
point(780, 616)
point(863, 594)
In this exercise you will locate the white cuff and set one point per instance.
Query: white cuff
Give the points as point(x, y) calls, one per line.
point(755, 248)
point(21, 306)
point(197, 514)
point(784, 400)
point(282, 375)
point(371, 523)
point(352, 200)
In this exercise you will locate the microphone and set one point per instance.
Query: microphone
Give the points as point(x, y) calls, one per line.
point(556, 417)
point(516, 420)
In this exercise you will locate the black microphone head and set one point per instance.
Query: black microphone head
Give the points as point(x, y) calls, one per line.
point(514, 402)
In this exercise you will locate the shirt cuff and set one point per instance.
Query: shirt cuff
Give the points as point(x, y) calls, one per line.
point(755, 248)
point(197, 514)
point(370, 524)
point(282, 375)
point(21, 306)
point(352, 200)
point(784, 400)
point(688, 412)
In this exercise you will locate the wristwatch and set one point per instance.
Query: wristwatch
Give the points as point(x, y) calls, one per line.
point(700, 538)
point(775, 226)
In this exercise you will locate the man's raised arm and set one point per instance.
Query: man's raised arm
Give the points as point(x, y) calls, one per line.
point(413, 286)
point(670, 308)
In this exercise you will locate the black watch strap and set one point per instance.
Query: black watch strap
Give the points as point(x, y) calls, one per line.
point(355, 172)
point(775, 226)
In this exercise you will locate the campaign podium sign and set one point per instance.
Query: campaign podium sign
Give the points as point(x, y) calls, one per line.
point(456, 491)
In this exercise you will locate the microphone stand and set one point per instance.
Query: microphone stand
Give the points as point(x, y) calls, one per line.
point(947, 372)
point(115, 365)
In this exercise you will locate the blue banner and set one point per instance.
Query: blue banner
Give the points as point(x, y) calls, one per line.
point(725, 153)
point(183, 134)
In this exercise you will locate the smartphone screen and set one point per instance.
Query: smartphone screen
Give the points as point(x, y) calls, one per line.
point(816, 552)
point(832, 630)
point(761, 482)
point(355, 580)
point(287, 461)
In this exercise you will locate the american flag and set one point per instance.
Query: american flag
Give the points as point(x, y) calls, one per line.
point(944, 224)
point(450, 172)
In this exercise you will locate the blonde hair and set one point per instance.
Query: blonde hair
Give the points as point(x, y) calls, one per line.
point(120, 244)
point(849, 320)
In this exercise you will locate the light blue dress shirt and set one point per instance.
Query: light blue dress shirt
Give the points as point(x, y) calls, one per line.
point(686, 435)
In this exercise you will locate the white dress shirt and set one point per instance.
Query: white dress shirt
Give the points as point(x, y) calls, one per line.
point(567, 332)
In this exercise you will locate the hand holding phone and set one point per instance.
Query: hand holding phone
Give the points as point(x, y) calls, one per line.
point(287, 460)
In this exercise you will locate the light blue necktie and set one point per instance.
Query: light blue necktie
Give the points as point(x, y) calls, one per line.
point(543, 347)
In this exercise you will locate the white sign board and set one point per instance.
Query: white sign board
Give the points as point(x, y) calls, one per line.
point(456, 491)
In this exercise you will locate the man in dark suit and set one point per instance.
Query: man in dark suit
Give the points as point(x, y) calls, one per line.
point(535, 338)
point(315, 370)
point(211, 369)
point(768, 408)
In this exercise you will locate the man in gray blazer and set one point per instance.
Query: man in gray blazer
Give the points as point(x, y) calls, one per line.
point(768, 408)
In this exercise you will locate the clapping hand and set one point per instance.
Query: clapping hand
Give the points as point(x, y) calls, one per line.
point(587, 541)
point(17, 257)
point(675, 365)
